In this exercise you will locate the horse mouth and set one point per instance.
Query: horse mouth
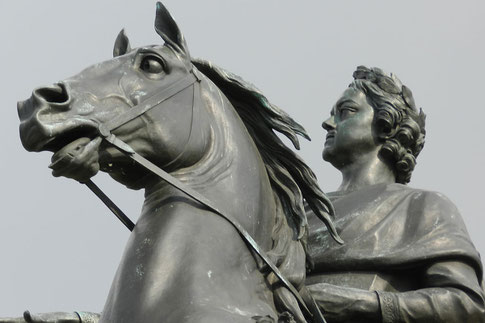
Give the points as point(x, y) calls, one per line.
point(38, 137)
point(38, 134)
point(56, 143)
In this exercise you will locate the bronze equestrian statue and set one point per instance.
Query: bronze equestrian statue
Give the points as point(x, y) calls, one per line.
point(223, 235)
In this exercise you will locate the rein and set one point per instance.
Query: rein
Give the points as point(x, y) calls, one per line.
point(191, 79)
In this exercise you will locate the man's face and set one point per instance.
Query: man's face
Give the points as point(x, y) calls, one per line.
point(349, 130)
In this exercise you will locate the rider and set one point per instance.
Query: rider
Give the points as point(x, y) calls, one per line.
point(407, 255)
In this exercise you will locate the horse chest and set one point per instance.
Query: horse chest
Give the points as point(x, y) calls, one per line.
point(184, 257)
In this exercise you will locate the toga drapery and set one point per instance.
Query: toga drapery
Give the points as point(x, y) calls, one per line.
point(409, 245)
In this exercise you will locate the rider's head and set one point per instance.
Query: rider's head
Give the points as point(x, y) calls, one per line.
point(397, 123)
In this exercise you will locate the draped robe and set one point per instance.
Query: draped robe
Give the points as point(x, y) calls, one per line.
point(410, 246)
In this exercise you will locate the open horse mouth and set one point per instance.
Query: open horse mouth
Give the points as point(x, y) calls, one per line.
point(66, 137)
point(37, 135)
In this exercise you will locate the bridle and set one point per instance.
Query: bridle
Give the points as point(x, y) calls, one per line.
point(192, 78)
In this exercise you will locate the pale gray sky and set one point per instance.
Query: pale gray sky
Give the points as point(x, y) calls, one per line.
point(60, 247)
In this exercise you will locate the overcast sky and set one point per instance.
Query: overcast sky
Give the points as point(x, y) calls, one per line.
point(60, 247)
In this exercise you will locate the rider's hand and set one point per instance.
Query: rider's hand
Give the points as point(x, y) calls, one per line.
point(345, 304)
point(77, 160)
point(55, 317)
point(12, 320)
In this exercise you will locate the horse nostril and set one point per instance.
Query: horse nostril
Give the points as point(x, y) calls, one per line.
point(53, 94)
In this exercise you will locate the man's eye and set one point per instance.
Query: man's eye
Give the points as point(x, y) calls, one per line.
point(345, 112)
point(152, 64)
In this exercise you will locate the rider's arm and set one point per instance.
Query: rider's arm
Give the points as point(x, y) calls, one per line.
point(451, 293)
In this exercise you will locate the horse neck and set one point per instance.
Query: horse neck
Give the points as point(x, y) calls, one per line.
point(231, 173)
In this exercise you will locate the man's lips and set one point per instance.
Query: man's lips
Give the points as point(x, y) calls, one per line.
point(330, 134)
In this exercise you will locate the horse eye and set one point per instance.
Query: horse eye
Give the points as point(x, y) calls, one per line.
point(152, 64)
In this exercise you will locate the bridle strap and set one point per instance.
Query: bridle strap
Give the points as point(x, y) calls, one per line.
point(153, 101)
point(105, 132)
point(110, 204)
point(212, 207)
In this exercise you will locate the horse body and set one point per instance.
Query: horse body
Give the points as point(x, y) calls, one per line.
point(183, 262)
point(186, 264)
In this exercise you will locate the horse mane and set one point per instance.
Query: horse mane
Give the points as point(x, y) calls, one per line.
point(291, 178)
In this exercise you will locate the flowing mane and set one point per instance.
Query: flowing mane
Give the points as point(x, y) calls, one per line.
point(291, 178)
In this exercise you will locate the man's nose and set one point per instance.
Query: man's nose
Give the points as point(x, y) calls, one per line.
point(329, 124)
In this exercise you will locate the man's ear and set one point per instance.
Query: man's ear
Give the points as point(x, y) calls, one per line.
point(122, 44)
point(167, 28)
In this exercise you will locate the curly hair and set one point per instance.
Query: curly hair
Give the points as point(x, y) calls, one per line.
point(397, 122)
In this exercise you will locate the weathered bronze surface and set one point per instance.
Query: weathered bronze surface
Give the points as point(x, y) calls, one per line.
point(407, 255)
point(153, 110)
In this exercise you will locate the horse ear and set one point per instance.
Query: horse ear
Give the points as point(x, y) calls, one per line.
point(167, 28)
point(122, 44)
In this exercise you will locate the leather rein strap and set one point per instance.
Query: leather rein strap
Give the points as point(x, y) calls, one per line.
point(191, 79)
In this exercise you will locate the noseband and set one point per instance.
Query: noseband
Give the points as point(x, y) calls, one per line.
point(105, 131)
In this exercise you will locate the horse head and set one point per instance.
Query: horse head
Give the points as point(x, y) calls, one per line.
point(77, 107)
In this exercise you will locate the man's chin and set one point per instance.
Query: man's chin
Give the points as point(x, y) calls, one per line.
point(327, 155)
